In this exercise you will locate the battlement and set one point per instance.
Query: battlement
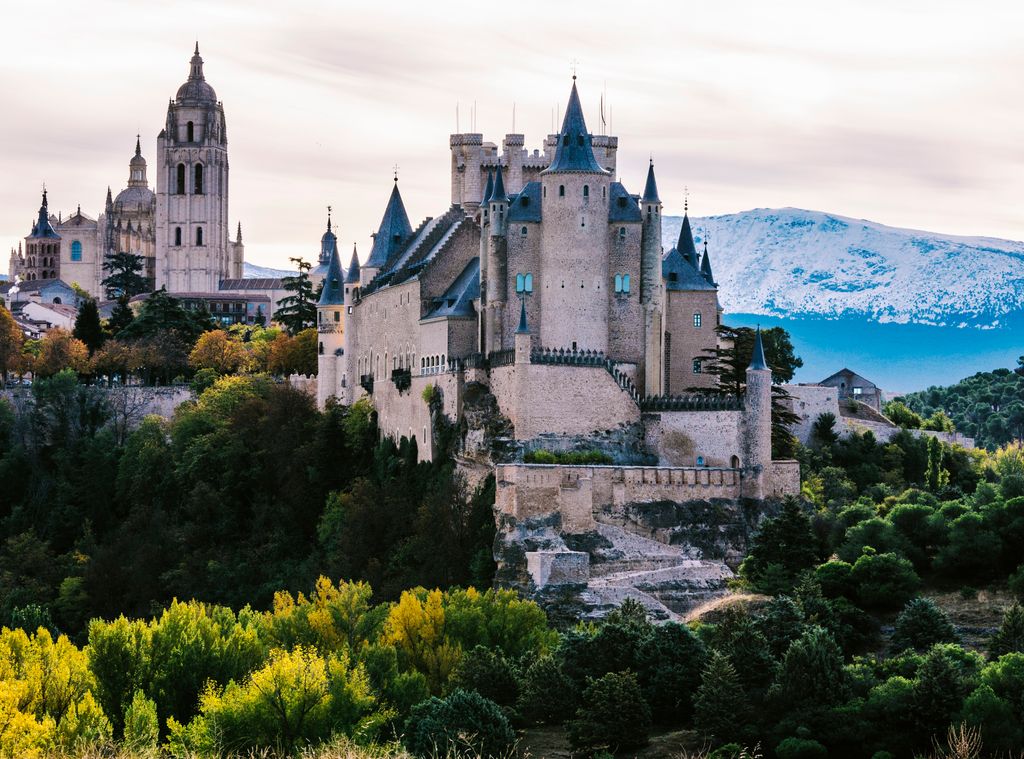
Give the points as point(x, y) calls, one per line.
point(467, 138)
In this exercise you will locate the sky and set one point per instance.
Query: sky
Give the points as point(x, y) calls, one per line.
point(905, 113)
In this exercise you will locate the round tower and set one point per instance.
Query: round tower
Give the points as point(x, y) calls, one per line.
point(757, 424)
point(497, 262)
point(574, 249)
point(330, 328)
point(650, 284)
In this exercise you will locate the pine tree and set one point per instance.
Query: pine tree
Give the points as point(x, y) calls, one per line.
point(87, 326)
point(937, 477)
point(120, 317)
point(123, 279)
point(720, 705)
point(1009, 638)
point(921, 625)
point(812, 674)
point(298, 310)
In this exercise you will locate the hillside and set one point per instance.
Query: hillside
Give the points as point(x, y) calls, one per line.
point(791, 262)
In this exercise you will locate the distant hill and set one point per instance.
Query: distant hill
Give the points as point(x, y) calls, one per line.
point(252, 271)
point(788, 262)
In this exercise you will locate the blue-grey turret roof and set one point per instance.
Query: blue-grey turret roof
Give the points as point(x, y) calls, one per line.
point(685, 244)
point(757, 361)
point(488, 189)
point(574, 151)
point(651, 187)
point(328, 243)
point(353, 268)
point(393, 233)
point(705, 264)
point(333, 293)
point(42, 227)
point(679, 274)
point(498, 194)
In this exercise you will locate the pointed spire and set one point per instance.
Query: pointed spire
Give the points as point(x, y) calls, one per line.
point(196, 66)
point(197, 47)
point(110, 198)
point(705, 264)
point(333, 293)
point(394, 231)
point(238, 234)
point(685, 245)
point(498, 194)
point(489, 188)
point(138, 145)
point(328, 218)
point(42, 227)
point(353, 268)
point(651, 188)
point(573, 152)
point(523, 328)
point(757, 362)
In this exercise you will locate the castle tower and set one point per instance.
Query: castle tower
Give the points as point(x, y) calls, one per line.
point(134, 209)
point(650, 283)
point(328, 245)
point(483, 217)
point(330, 328)
point(497, 263)
point(574, 248)
point(192, 245)
point(349, 377)
point(757, 424)
point(394, 232)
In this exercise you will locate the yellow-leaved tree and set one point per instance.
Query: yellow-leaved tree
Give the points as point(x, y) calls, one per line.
point(216, 350)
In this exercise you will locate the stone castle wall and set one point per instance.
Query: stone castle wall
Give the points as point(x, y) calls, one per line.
point(687, 342)
point(681, 437)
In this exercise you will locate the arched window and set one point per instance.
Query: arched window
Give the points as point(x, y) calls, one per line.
point(320, 350)
point(625, 283)
point(76, 251)
point(735, 462)
point(190, 132)
point(177, 235)
point(700, 461)
point(561, 190)
point(199, 235)
point(523, 231)
point(528, 283)
point(618, 283)
point(586, 191)
point(622, 233)
point(520, 283)
point(57, 300)
point(181, 179)
point(197, 185)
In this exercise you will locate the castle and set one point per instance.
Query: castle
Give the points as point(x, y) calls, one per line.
point(180, 229)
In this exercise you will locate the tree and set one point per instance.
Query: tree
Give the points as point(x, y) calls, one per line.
point(921, 625)
point(462, 724)
point(613, 715)
point(215, 350)
point(59, 350)
point(120, 317)
point(883, 580)
point(721, 708)
point(902, 416)
point(293, 355)
point(937, 477)
point(297, 311)
point(11, 342)
point(1009, 638)
point(123, 279)
point(811, 675)
point(87, 326)
point(780, 551)
point(162, 313)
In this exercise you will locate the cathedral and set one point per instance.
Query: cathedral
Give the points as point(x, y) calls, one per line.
point(180, 229)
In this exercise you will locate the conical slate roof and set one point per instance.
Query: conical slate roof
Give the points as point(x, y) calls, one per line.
point(574, 152)
point(333, 293)
point(42, 227)
point(394, 231)
point(353, 268)
point(651, 188)
point(488, 189)
point(685, 244)
point(498, 194)
point(757, 360)
point(705, 265)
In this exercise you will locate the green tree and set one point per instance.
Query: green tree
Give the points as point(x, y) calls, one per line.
point(11, 342)
point(884, 580)
point(123, 278)
point(902, 416)
point(1009, 638)
point(613, 715)
point(783, 548)
point(721, 708)
point(163, 313)
point(811, 675)
point(297, 310)
point(921, 625)
point(546, 694)
point(937, 477)
point(87, 326)
point(462, 724)
point(120, 317)
point(488, 673)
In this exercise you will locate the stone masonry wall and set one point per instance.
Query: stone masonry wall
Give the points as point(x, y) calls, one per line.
point(688, 342)
point(680, 437)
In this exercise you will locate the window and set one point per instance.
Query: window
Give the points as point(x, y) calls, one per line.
point(734, 462)
point(622, 283)
point(197, 185)
point(529, 283)
point(181, 179)
point(76, 251)
point(696, 366)
point(199, 235)
point(57, 301)
point(337, 316)
point(177, 235)
point(700, 461)
point(520, 283)
point(320, 350)
point(561, 189)
point(696, 320)
point(523, 231)
point(858, 391)
point(190, 132)
point(622, 233)
point(586, 191)
point(618, 283)
point(625, 283)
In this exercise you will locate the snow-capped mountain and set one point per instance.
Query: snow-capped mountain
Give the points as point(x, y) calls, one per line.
point(265, 272)
point(790, 262)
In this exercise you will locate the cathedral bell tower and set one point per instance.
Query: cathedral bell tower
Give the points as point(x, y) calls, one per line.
point(193, 253)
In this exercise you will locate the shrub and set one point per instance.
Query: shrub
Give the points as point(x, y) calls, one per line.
point(613, 715)
point(141, 726)
point(874, 532)
point(973, 550)
point(921, 625)
point(203, 379)
point(884, 581)
point(800, 748)
point(546, 694)
point(488, 673)
point(834, 579)
point(994, 717)
point(462, 724)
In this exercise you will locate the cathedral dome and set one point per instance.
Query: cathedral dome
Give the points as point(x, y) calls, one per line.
point(196, 90)
point(134, 196)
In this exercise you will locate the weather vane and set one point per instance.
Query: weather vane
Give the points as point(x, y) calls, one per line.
point(574, 63)
point(395, 167)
